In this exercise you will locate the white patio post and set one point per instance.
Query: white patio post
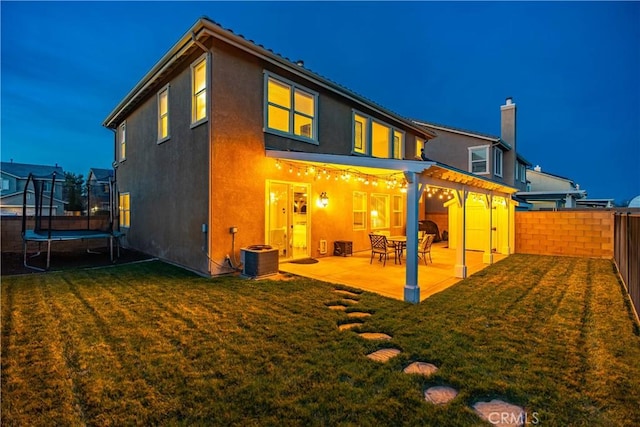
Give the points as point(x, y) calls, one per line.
point(460, 269)
point(411, 288)
point(487, 257)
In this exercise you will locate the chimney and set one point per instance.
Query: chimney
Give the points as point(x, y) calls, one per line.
point(508, 122)
point(508, 135)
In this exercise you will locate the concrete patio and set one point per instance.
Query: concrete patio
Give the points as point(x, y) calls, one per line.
point(389, 280)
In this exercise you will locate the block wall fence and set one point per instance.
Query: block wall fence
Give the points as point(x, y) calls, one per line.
point(583, 233)
point(11, 233)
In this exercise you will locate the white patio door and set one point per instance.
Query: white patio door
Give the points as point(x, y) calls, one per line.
point(288, 218)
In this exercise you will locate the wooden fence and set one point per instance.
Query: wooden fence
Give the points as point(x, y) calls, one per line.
point(627, 254)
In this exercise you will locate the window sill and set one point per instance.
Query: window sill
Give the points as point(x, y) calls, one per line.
point(199, 122)
point(160, 141)
point(292, 136)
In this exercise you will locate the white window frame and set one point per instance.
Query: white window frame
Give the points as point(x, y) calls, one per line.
point(122, 217)
point(387, 219)
point(292, 109)
point(478, 147)
point(360, 210)
point(195, 121)
point(161, 138)
point(498, 156)
point(5, 184)
point(523, 173)
point(368, 132)
point(397, 213)
point(122, 146)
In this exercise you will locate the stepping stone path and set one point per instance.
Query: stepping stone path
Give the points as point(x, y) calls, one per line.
point(374, 336)
point(500, 413)
point(346, 293)
point(347, 326)
point(384, 355)
point(357, 315)
point(421, 368)
point(440, 395)
point(496, 412)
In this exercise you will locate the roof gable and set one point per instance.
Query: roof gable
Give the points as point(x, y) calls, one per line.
point(22, 170)
point(205, 28)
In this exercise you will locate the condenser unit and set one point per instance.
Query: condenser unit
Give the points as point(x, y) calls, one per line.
point(259, 261)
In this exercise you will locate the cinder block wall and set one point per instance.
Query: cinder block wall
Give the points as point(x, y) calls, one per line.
point(572, 233)
point(11, 233)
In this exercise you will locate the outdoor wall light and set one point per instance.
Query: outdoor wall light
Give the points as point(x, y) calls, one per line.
point(323, 201)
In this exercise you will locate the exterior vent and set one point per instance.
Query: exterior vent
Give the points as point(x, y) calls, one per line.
point(259, 261)
point(323, 247)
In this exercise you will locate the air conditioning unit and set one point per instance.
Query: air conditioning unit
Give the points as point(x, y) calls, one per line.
point(259, 261)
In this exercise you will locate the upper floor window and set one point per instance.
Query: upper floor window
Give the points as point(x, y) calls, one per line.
point(124, 207)
point(523, 172)
point(199, 91)
point(497, 161)
point(376, 138)
point(5, 184)
point(122, 152)
point(419, 146)
point(360, 133)
point(478, 157)
point(163, 114)
point(290, 109)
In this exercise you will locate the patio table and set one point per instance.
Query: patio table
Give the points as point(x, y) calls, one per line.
point(400, 242)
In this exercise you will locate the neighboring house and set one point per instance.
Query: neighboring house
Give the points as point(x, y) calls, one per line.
point(14, 179)
point(490, 156)
point(225, 144)
point(99, 183)
point(550, 191)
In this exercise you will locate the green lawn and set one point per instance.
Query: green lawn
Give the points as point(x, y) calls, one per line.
point(152, 344)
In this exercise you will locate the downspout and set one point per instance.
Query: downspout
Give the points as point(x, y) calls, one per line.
point(113, 200)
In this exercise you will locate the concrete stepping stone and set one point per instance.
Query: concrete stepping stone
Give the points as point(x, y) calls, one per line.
point(374, 336)
point(346, 293)
point(500, 413)
point(421, 368)
point(384, 354)
point(349, 301)
point(440, 395)
point(358, 314)
point(347, 326)
point(337, 307)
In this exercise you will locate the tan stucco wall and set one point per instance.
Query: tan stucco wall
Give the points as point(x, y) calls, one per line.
point(573, 233)
point(167, 182)
point(544, 182)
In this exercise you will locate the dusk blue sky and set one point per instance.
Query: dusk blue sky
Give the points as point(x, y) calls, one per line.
point(573, 70)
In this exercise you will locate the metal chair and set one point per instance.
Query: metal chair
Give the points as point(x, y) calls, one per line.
point(425, 247)
point(381, 246)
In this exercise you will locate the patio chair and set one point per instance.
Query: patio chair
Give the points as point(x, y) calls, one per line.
point(381, 246)
point(425, 247)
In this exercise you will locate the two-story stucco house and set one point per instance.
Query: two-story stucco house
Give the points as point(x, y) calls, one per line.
point(14, 179)
point(225, 144)
point(99, 188)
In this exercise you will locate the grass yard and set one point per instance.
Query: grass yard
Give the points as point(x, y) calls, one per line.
point(152, 344)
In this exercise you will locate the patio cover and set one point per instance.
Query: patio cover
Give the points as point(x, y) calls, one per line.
point(418, 174)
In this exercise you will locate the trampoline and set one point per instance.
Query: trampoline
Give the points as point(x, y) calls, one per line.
point(43, 232)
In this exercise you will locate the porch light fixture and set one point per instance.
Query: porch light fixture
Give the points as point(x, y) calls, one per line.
point(323, 201)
